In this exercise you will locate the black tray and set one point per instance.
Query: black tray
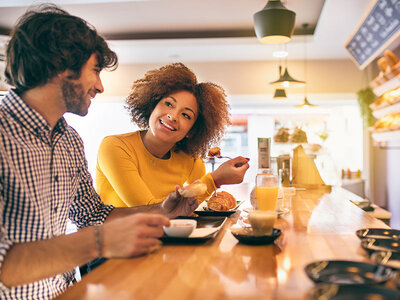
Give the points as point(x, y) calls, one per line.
point(378, 233)
point(246, 236)
point(347, 272)
point(352, 292)
point(387, 258)
point(202, 222)
point(372, 245)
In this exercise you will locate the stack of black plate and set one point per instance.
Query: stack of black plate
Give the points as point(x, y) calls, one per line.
point(383, 245)
point(341, 279)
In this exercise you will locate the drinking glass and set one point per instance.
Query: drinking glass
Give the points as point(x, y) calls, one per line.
point(266, 190)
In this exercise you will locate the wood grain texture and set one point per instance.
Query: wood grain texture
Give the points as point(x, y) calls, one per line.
point(320, 226)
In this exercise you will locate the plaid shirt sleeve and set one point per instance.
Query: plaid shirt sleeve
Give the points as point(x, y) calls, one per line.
point(87, 208)
point(5, 243)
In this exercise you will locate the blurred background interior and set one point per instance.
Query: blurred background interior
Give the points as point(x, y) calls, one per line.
point(216, 40)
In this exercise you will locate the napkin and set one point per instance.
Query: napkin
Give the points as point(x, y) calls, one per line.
point(304, 171)
point(203, 232)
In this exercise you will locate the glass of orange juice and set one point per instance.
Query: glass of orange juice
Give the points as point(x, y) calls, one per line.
point(266, 190)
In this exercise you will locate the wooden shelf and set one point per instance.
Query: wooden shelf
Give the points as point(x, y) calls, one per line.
point(381, 112)
point(387, 138)
point(387, 86)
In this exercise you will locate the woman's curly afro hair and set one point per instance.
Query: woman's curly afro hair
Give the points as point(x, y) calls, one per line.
point(213, 117)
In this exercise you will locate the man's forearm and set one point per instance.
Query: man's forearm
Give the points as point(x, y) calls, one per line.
point(119, 212)
point(33, 261)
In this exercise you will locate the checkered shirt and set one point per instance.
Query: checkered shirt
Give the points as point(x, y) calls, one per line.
point(43, 182)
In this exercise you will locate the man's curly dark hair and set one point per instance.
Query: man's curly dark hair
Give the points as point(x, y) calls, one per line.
point(213, 117)
point(46, 41)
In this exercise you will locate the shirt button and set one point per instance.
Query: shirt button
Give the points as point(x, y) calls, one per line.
point(56, 178)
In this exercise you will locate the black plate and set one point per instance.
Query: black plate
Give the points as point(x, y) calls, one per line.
point(347, 272)
point(352, 292)
point(202, 222)
point(246, 236)
point(215, 213)
point(378, 233)
point(387, 258)
point(372, 245)
point(396, 278)
point(218, 213)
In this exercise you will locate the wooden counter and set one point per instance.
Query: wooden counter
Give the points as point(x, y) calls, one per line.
point(320, 226)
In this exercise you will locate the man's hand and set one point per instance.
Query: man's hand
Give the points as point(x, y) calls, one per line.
point(176, 205)
point(231, 171)
point(133, 235)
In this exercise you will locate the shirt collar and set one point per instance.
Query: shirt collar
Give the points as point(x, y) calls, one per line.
point(28, 117)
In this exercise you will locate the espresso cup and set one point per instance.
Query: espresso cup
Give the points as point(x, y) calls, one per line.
point(262, 221)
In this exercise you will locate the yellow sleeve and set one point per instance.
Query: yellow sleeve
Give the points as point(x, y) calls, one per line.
point(119, 165)
point(199, 173)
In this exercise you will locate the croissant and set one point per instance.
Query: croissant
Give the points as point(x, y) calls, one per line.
point(221, 201)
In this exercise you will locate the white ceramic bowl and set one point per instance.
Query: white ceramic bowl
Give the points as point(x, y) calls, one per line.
point(180, 227)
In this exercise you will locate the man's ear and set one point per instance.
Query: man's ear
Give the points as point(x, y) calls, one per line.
point(67, 74)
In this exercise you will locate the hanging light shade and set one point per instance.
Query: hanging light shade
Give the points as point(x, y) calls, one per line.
point(279, 94)
point(305, 104)
point(274, 24)
point(286, 80)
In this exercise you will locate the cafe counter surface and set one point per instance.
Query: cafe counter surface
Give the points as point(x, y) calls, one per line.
point(321, 225)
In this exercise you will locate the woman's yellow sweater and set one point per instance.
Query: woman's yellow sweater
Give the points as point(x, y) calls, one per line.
point(129, 175)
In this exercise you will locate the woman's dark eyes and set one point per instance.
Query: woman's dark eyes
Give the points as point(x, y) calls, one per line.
point(169, 104)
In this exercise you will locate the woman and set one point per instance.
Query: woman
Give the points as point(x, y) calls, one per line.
point(180, 120)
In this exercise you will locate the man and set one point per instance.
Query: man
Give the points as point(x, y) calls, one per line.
point(54, 62)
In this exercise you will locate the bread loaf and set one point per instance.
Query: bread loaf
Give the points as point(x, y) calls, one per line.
point(216, 151)
point(221, 201)
point(391, 58)
point(193, 190)
point(383, 65)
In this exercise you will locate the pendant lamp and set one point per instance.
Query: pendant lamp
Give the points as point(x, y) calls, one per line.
point(286, 80)
point(305, 103)
point(279, 94)
point(274, 24)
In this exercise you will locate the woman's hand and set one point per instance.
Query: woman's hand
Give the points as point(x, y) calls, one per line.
point(231, 171)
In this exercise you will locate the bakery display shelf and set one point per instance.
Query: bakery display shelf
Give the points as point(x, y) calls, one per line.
point(381, 112)
point(387, 86)
point(386, 138)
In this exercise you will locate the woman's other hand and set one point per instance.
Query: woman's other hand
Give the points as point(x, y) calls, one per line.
point(231, 171)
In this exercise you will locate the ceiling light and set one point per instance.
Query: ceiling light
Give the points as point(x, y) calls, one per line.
point(280, 54)
point(286, 81)
point(305, 101)
point(305, 104)
point(274, 24)
point(279, 94)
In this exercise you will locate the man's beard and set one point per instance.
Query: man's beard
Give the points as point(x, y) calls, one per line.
point(74, 97)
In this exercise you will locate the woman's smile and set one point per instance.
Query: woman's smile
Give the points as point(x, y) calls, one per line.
point(168, 126)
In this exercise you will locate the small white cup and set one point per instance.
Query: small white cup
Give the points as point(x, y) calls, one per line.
point(262, 221)
point(180, 227)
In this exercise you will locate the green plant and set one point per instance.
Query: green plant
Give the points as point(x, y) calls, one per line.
point(365, 97)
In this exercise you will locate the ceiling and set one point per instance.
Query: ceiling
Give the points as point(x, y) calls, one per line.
point(152, 31)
